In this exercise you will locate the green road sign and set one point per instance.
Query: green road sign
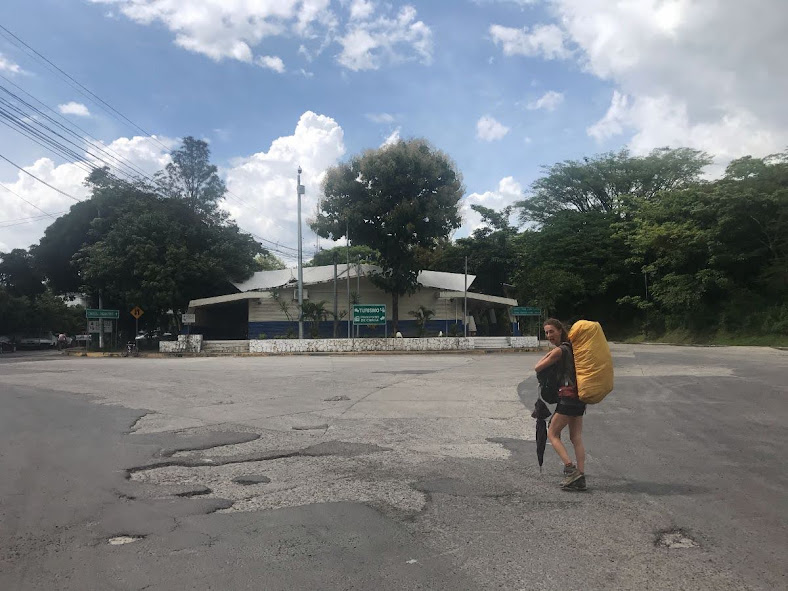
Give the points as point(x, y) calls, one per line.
point(526, 311)
point(369, 314)
point(96, 313)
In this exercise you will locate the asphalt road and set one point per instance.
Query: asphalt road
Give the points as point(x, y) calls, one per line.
point(421, 475)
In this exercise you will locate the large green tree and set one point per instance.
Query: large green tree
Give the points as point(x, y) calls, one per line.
point(192, 178)
point(606, 182)
point(397, 199)
point(19, 275)
point(160, 254)
point(717, 254)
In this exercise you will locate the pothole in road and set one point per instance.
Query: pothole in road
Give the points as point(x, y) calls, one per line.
point(121, 540)
point(675, 539)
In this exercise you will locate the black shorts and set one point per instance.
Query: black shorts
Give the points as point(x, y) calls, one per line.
point(570, 407)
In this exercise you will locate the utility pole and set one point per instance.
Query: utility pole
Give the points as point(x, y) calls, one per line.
point(300, 190)
point(358, 289)
point(465, 317)
point(336, 304)
point(101, 306)
point(347, 254)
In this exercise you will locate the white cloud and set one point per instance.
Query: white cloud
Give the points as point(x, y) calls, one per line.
point(547, 41)
point(142, 152)
point(6, 65)
point(274, 63)
point(267, 180)
point(361, 9)
point(489, 130)
point(508, 191)
point(368, 44)
point(380, 117)
point(703, 73)
point(393, 138)
point(549, 101)
point(233, 29)
point(73, 108)
point(614, 121)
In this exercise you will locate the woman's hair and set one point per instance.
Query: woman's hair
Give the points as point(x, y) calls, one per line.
point(557, 324)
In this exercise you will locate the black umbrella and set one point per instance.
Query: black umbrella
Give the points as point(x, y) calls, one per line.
point(541, 414)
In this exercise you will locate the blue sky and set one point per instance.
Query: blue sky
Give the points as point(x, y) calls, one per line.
point(502, 86)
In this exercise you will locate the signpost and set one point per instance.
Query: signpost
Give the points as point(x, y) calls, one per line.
point(370, 315)
point(100, 314)
point(526, 311)
point(136, 311)
point(188, 320)
point(96, 313)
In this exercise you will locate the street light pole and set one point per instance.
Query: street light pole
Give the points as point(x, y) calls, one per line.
point(300, 190)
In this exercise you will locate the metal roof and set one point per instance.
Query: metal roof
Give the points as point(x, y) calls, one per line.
point(264, 280)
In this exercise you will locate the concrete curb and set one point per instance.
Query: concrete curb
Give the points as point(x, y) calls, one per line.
point(97, 354)
point(699, 346)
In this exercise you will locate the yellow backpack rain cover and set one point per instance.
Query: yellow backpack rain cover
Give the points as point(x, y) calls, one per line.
point(593, 362)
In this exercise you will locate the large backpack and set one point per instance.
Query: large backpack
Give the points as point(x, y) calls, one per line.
point(593, 362)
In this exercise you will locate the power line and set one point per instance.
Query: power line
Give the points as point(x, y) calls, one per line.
point(32, 217)
point(80, 87)
point(33, 205)
point(94, 141)
point(39, 180)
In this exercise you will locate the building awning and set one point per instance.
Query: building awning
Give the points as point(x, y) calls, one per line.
point(233, 297)
point(323, 274)
point(479, 297)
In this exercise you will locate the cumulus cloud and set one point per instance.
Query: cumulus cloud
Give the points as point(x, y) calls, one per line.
point(266, 181)
point(274, 63)
point(686, 73)
point(489, 129)
point(369, 43)
point(142, 152)
point(73, 108)
point(507, 192)
point(6, 65)
point(547, 41)
point(549, 101)
point(233, 29)
point(361, 9)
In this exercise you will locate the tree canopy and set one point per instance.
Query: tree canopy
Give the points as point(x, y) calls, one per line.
point(396, 199)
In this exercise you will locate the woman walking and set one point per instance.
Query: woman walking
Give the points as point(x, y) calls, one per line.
point(570, 409)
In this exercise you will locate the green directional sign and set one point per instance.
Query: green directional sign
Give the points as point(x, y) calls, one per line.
point(369, 314)
point(526, 311)
point(106, 314)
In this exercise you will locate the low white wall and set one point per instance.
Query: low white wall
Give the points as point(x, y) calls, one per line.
point(349, 345)
point(185, 344)
point(524, 342)
point(193, 344)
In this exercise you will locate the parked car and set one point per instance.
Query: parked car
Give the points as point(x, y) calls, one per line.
point(42, 341)
point(7, 344)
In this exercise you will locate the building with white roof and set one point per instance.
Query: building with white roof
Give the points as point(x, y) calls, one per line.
point(266, 304)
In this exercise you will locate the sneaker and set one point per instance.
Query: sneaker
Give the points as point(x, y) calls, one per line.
point(571, 473)
point(578, 484)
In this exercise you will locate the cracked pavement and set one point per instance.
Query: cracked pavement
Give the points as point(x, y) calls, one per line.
point(389, 472)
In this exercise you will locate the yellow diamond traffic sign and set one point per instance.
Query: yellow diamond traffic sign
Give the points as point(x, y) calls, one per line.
point(136, 311)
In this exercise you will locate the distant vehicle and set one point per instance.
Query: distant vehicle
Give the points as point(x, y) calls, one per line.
point(42, 341)
point(7, 344)
point(153, 335)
